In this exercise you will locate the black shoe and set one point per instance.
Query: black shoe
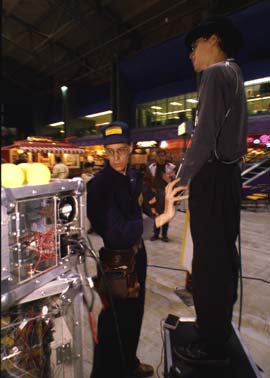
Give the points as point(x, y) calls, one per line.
point(154, 237)
point(198, 354)
point(143, 370)
point(165, 239)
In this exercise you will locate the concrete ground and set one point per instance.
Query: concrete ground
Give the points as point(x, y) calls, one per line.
point(164, 277)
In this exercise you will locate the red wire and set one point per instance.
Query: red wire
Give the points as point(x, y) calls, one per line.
point(44, 242)
point(93, 327)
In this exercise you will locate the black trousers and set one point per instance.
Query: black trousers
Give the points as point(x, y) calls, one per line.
point(215, 197)
point(110, 358)
point(164, 230)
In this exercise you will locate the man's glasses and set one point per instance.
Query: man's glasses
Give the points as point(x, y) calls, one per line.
point(119, 152)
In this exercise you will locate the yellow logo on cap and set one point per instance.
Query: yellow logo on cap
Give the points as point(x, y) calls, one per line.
point(113, 130)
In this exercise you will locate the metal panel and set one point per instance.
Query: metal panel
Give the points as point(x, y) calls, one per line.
point(38, 226)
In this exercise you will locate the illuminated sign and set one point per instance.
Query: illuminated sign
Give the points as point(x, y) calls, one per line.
point(181, 128)
point(264, 138)
point(147, 143)
point(163, 144)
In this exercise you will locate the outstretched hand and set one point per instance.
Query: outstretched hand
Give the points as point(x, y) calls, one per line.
point(173, 194)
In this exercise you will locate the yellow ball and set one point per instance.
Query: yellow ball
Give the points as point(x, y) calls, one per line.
point(37, 174)
point(24, 167)
point(12, 175)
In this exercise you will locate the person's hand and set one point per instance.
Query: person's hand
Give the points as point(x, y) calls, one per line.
point(152, 201)
point(173, 194)
point(154, 212)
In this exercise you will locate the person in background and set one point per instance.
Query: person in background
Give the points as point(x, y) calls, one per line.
point(211, 169)
point(152, 157)
point(60, 170)
point(162, 172)
point(22, 158)
point(149, 194)
point(88, 171)
point(87, 175)
point(114, 208)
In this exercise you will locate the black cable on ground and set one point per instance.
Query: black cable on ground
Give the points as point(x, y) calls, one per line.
point(93, 255)
point(162, 348)
point(241, 281)
point(187, 271)
point(167, 267)
point(256, 279)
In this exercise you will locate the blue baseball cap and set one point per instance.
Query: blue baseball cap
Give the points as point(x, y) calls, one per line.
point(115, 132)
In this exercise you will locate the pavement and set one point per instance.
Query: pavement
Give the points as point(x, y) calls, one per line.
point(166, 276)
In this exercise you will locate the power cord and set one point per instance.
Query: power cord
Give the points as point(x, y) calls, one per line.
point(241, 277)
point(92, 254)
point(187, 271)
point(256, 279)
point(84, 248)
point(162, 348)
point(241, 281)
point(167, 267)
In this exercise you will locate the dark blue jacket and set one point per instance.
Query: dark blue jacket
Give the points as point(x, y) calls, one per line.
point(114, 207)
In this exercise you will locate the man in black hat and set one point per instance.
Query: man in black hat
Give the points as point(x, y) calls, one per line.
point(211, 168)
point(114, 200)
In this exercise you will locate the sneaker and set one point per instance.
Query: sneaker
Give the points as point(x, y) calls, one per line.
point(165, 239)
point(143, 370)
point(198, 354)
point(154, 237)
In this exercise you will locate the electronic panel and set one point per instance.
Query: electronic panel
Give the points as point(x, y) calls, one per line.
point(40, 336)
point(38, 225)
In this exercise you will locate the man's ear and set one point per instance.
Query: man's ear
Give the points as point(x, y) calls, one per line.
point(130, 148)
point(214, 39)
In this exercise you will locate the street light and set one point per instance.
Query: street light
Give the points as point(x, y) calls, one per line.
point(64, 90)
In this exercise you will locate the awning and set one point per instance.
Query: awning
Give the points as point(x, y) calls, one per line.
point(50, 146)
point(64, 150)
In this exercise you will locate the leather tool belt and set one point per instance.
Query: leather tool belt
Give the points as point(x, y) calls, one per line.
point(120, 273)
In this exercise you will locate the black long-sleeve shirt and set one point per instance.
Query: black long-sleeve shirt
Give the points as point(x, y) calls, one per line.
point(221, 93)
point(114, 207)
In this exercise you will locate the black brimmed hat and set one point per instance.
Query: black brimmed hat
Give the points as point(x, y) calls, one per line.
point(115, 132)
point(231, 38)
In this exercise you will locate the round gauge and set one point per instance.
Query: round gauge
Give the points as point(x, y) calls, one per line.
point(67, 209)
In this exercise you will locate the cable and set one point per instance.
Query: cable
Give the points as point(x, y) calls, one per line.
point(256, 279)
point(241, 279)
point(90, 249)
point(162, 348)
point(167, 267)
point(187, 271)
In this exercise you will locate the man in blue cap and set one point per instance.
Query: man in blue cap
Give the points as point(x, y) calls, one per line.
point(211, 168)
point(114, 200)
